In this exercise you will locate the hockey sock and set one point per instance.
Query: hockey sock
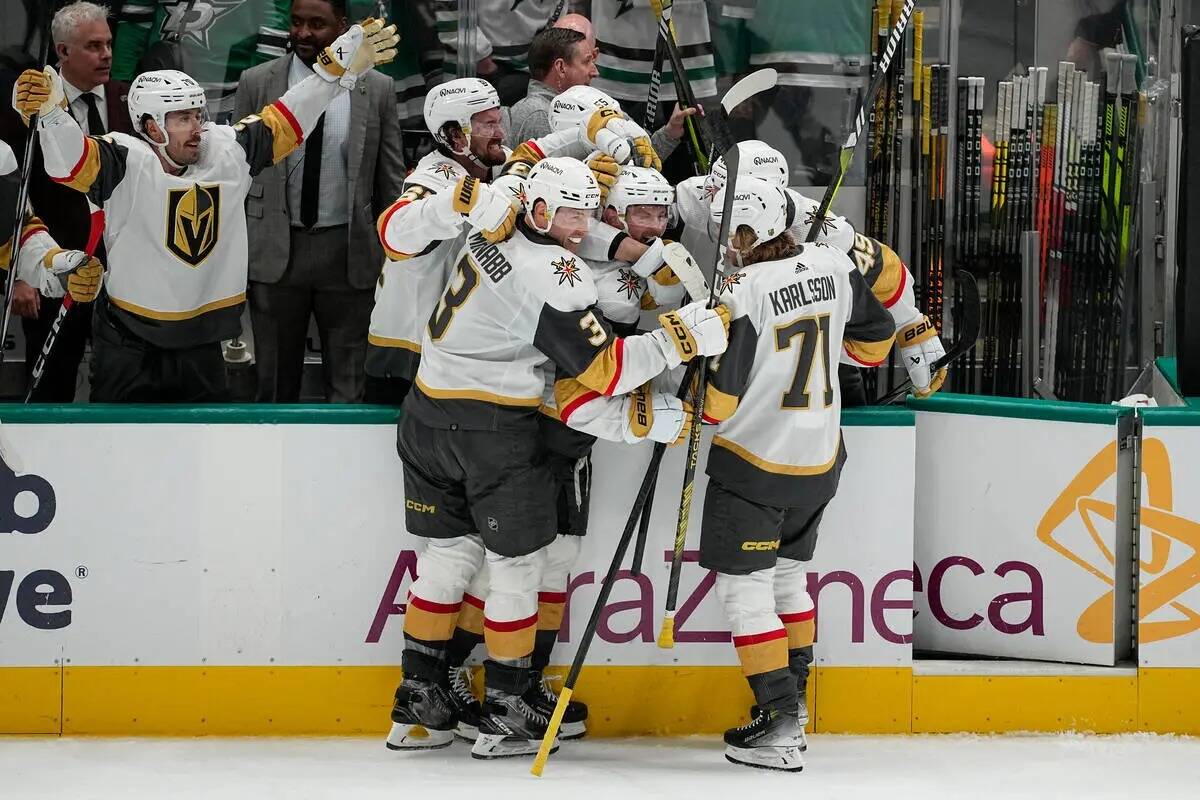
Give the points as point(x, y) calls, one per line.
point(434, 602)
point(759, 637)
point(798, 614)
point(552, 598)
point(511, 611)
point(469, 632)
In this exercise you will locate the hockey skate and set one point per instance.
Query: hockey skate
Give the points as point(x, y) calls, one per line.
point(511, 725)
point(467, 708)
point(543, 698)
point(422, 717)
point(802, 718)
point(773, 739)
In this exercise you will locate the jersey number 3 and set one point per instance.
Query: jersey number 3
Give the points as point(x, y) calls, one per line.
point(814, 337)
point(465, 280)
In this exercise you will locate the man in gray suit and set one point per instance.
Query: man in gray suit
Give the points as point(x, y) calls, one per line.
point(311, 218)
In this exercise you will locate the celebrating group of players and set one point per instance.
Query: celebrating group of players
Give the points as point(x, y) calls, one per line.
point(511, 304)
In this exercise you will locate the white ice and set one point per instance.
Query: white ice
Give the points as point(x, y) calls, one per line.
point(1143, 767)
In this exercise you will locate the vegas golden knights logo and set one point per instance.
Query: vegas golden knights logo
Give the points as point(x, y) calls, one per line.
point(193, 222)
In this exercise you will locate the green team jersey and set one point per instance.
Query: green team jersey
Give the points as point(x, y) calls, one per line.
point(223, 38)
point(752, 34)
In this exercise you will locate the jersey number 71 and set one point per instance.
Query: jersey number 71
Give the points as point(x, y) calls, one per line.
point(814, 337)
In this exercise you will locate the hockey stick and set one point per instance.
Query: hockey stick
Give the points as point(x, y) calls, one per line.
point(965, 341)
point(640, 506)
point(666, 636)
point(68, 302)
point(31, 141)
point(683, 89)
point(744, 89)
point(651, 115)
point(847, 154)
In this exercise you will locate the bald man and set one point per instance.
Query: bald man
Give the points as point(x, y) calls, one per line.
point(578, 22)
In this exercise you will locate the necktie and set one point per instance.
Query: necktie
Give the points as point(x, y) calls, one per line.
point(94, 123)
point(310, 188)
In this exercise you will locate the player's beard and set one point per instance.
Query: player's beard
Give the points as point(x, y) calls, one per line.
point(493, 153)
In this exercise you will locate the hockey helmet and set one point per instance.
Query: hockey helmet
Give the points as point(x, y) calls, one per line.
point(560, 183)
point(571, 107)
point(155, 94)
point(457, 101)
point(759, 205)
point(639, 186)
point(758, 160)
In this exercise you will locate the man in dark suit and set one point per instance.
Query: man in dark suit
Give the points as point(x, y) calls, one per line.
point(83, 44)
point(313, 246)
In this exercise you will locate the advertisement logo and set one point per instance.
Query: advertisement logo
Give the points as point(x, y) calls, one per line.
point(1159, 595)
point(27, 506)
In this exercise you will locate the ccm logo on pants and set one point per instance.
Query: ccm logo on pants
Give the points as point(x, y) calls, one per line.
point(757, 546)
point(420, 508)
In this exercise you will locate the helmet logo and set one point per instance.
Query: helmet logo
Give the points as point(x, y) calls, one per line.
point(193, 222)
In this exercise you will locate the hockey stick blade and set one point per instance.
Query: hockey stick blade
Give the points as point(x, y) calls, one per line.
point(755, 83)
point(964, 342)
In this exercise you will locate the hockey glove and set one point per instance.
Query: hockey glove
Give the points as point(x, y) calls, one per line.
point(696, 330)
point(656, 416)
point(605, 170)
point(365, 45)
point(38, 93)
point(920, 346)
point(77, 273)
point(610, 131)
point(486, 208)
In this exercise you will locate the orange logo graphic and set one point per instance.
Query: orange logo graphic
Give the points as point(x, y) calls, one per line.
point(1166, 529)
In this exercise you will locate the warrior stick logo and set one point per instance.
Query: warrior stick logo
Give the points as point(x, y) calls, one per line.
point(1167, 575)
point(193, 222)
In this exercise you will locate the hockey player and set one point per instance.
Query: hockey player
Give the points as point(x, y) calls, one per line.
point(777, 454)
point(43, 264)
point(638, 204)
point(475, 471)
point(174, 201)
point(883, 270)
point(449, 191)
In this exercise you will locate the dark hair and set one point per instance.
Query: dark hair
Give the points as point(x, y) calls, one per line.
point(338, 6)
point(550, 45)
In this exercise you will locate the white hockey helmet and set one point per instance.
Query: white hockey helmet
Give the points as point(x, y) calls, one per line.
point(159, 92)
point(759, 205)
point(560, 183)
point(758, 160)
point(457, 101)
point(571, 107)
point(638, 186)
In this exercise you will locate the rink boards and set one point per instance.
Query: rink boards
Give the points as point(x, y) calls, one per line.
point(244, 570)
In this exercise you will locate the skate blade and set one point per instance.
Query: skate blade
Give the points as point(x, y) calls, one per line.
point(569, 731)
point(405, 736)
point(783, 759)
point(496, 745)
point(467, 732)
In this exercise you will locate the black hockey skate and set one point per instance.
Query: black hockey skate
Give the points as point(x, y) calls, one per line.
point(511, 725)
point(802, 718)
point(422, 717)
point(771, 740)
point(467, 708)
point(543, 698)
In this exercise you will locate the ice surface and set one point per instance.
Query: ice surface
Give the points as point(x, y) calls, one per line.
point(1137, 767)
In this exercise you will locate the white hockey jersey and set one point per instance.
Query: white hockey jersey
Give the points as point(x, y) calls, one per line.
point(626, 32)
point(774, 392)
point(888, 276)
point(508, 308)
point(176, 244)
point(420, 245)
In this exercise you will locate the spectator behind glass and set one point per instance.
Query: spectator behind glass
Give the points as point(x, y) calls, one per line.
point(559, 58)
point(313, 249)
point(83, 44)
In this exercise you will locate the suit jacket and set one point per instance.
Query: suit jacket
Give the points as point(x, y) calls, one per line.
point(64, 210)
point(375, 164)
